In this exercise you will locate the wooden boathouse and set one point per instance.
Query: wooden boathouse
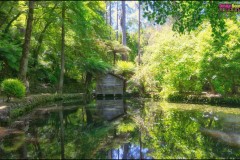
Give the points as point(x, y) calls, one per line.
point(110, 84)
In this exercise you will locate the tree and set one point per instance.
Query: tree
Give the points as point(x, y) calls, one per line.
point(139, 25)
point(12, 20)
point(189, 15)
point(26, 46)
point(86, 35)
point(123, 25)
point(110, 17)
point(48, 21)
point(117, 22)
point(61, 78)
point(219, 67)
point(115, 48)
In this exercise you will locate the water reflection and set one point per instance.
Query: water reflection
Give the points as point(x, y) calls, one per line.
point(232, 139)
point(61, 130)
point(110, 109)
point(147, 130)
point(129, 151)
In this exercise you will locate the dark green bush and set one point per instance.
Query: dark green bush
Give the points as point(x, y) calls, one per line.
point(13, 88)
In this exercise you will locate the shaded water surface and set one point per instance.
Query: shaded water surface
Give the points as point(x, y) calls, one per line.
point(129, 129)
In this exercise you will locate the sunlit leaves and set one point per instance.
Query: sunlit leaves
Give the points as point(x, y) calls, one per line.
point(221, 69)
point(126, 127)
point(189, 63)
point(171, 60)
point(189, 15)
point(125, 68)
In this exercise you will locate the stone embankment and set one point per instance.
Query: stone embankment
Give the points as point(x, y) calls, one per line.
point(18, 108)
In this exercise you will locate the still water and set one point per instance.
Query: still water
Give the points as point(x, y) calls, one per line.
point(124, 129)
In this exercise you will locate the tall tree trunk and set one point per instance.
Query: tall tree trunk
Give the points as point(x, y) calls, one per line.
point(139, 25)
point(117, 23)
point(110, 17)
point(123, 24)
point(26, 46)
point(61, 79)
point(114, 54)
point(106, 17)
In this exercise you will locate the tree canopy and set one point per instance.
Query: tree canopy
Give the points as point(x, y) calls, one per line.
point(186, 46)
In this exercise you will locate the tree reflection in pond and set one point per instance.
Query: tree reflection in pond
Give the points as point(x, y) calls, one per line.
point(146, 130)
point(175, 133)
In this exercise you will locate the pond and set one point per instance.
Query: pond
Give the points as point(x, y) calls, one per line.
point(124, 129)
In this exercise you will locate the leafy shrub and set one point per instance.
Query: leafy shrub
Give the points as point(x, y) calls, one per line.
point(13, 88)
point(95, 66)
point(125, 68)
point(126, 127)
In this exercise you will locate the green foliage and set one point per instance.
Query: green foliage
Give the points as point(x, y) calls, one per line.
point(220, 65)
point(126, 127)
point(11, 29)
point(169, 62)
point(12, 142)
point(13, 88)
point(204, 60)
point(161, 127)
point(9, 54)
point(95, 66)
point(189, 63)
point(189, 15)
point(27, 105)
point(114, 48)
point(85, 28)
point(132, 43)
point(125, 68)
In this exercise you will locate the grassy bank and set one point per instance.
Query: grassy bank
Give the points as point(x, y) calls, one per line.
point(19, 108)
point(199, 99)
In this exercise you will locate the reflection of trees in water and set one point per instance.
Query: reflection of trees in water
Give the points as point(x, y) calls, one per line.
point(125, 150)
point(35, 141)
point(89, 116)
point(78, 133)
point(61, 131)
point(149, 131)
point(44, 135)
point(175, 134)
